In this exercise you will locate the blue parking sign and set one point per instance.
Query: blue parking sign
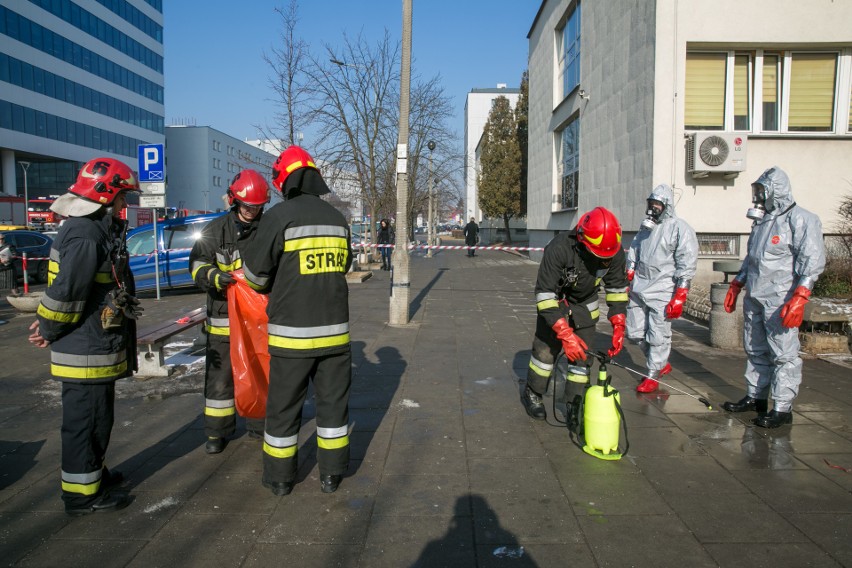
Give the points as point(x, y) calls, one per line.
point(151, 163)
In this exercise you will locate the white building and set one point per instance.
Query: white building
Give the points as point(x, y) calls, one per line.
point(618, 90)
point(79, 80)
point(476, 109)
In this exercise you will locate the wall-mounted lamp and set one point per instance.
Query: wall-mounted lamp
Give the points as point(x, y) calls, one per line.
point(583, 94)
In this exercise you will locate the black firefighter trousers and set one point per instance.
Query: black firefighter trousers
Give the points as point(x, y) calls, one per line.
point(288, 386)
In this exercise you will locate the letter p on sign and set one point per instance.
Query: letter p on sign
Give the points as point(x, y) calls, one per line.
point(152, 158)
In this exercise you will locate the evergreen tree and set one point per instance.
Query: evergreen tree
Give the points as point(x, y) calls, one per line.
point(500, 165)
point(522, 118)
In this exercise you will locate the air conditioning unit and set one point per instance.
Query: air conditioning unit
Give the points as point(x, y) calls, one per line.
point(713, 151)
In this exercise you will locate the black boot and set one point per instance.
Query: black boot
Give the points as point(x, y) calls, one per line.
point(215, 445)
point(329, 483)
point(279, 488)
point(773, 419)
point(746, 404)
point(533, 404)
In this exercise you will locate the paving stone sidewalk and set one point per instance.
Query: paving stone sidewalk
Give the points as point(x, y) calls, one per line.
point(447, 468)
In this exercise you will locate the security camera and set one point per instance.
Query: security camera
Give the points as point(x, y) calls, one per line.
point(582, 94)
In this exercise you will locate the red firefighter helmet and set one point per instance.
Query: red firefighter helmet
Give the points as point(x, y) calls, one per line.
point(600, 231)
point(248, 187)
point(102, 179)
point(288, 162)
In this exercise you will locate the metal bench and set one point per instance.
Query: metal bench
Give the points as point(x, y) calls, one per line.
point(151, 341)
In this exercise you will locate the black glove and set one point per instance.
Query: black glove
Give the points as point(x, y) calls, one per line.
point(129, 305)
point(220, 280)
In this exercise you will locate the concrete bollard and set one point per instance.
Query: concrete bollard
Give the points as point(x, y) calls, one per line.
point(726, 330)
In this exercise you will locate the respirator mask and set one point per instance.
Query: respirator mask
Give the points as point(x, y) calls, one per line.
point(758, 199)
point(654, 210)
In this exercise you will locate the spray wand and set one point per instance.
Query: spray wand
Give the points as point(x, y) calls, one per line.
point(603, 358)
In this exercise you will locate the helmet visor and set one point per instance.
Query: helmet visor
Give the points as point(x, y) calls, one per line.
point(655, 208)
point(758, 193)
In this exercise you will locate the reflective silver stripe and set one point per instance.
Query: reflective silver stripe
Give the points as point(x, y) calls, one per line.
point(222, 259)
point(314, 230)
point(87, 360)
point(593, 306)
point(64, 307)
point(210, 403)
point(545, 296)
point(83, 478)
point(307, 332)
point(540, 365)
point(577, 370)
point(256, 280)
point(332, 432)
point(198, 264)
point(601, 273)
point(54, 255)
point(280, 442)
point(616, 290)
point(219, 322)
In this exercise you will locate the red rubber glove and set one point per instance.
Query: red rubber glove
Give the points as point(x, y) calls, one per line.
point(574, 347)
point(794, 310)
point(675, 308)
point(617, 334)
point(731, 297)
point(630, 275)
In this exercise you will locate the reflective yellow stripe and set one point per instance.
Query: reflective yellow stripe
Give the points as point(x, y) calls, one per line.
point(595, 314)
point(577, 378)
point(618, 297)
point(213, 330)
point(88, 372)
point(230, 267)
point(315, 242)
point(62, 317)
point(332, 443)
point(538, 370)
point(83, 489)
point(308, 343)
point(103, 278)
point(219, 411)
point(547, 305)
point(199, 267)
point(287, 452)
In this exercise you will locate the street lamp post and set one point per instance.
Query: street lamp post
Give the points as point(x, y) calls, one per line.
point(431, 236)
point(25, 166)
point(401, 285)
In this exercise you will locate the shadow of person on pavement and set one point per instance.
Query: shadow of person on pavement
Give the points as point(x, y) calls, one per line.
point(474, 521)
point(16, 459)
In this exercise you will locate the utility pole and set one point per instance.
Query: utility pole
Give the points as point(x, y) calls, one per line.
point(401, 275)
point(430, 239)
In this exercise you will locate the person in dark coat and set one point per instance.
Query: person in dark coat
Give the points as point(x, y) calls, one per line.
point(386, 237)
point(471, 236)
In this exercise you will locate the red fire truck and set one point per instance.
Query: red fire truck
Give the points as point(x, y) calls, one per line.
point(39, 215)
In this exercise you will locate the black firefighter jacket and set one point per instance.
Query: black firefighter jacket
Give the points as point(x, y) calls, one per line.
point(221, 246)
point(300, 257)
point(83, 271)
point(569, 272)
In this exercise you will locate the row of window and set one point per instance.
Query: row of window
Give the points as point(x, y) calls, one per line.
point(137, 19)
point(31, 121)
point(51, 178)
point(28, 32)
point(569, 52)
point(768, 91)
point(568, 165)
point(38, 80)
point(97, 28)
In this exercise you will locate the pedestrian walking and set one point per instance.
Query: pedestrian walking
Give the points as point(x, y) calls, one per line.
point(300, 257)
point(87, 318)
point(386, 237)
point(785, 257)
point(471, 236)
point(661, 264)
point(216, 254)
point(574, 266)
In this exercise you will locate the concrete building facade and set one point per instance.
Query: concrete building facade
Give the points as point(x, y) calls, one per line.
point(623, 95)
point(79, 80)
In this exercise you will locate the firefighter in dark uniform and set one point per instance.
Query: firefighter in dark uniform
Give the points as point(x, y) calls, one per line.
point(300, 257)
point(87, 317)
point(215, 254)
point(573, 267)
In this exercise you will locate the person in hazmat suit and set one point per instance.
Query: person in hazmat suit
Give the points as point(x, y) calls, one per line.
point(88, 319)
point(214, 256)
point(300, 257)
point(785, 257)
point(573, 267)
point(661, 263)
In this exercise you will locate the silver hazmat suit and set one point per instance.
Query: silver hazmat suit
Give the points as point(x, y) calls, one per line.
point(785, 251)
point(663, 258)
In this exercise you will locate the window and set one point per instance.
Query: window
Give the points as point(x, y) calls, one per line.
point(141, 243)
point(718, 245)
point(766, 92)
point(569, 53)
point(569, 165)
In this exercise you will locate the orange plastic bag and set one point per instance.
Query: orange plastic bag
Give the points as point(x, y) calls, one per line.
point(249, 347)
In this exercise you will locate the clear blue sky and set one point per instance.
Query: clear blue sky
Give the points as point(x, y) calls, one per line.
point(215, 73)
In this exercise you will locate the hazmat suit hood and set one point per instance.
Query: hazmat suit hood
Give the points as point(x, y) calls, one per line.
point(304, 180)
point(664, 194)
point(779, 194)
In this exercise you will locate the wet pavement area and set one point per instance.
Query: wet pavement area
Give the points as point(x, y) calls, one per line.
point(447, 469)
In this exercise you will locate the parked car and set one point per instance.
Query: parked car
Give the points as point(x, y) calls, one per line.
point(175, 238)
point(37, 246)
